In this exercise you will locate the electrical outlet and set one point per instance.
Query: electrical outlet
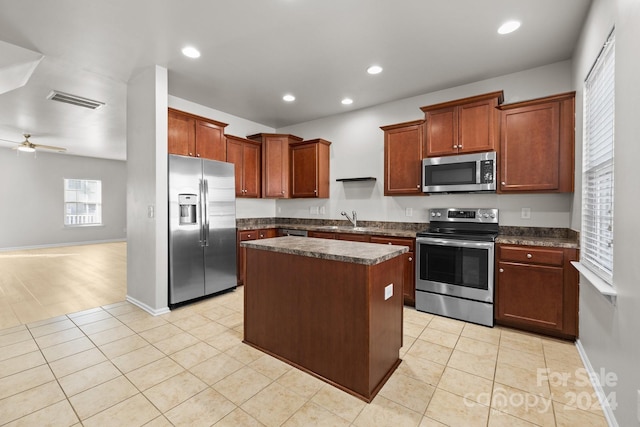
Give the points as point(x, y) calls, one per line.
point(279, 209)
point(388, 291)
point(151, 211)
point(313, 210)
point(322, 210)
point(408, 212)
point(525, 213)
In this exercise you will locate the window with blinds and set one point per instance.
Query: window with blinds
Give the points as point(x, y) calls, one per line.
point(598, 165)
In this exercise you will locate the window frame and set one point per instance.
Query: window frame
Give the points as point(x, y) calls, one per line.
point(598, 169)
point(81, 189)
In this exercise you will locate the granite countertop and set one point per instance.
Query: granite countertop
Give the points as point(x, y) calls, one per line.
point(369, 227)
point(338, 250)
point(552, 242)
point(531, 236)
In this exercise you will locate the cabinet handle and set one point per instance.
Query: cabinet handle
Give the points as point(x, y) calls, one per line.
point(501, 270)
point(282, 191)
point(410, 259)
point(191, 154)
point(315, 191)
point(455, 146)
point(262, 236)
point(198, 155)
point(418, 186)
point(529, 256)
point(460, 146)
point(249, 236)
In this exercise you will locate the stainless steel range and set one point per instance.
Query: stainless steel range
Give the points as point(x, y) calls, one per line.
point(455, 268)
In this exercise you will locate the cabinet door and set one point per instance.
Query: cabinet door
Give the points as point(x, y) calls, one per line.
point(530, 295)
point(442, 131)
point(403, 160)
point(242, 252)
point(234, 155)
point(477, 126)
point(210, 143)
point(530, 148)
point(181, 134)
point(304, 171)
point(251, 170)
point(275, 161)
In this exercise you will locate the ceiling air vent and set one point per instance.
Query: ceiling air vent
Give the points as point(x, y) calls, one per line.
point(74, 100)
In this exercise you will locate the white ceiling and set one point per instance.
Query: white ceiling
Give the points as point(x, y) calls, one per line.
point(255, 51)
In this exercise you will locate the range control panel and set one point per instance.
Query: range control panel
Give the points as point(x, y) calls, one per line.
point(464, 215)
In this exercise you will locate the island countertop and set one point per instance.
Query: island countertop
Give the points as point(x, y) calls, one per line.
point(338, 250)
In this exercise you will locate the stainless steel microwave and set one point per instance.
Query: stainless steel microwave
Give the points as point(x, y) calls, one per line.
point(465, 173)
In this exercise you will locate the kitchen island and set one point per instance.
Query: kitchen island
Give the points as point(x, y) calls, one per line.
point(329, 307)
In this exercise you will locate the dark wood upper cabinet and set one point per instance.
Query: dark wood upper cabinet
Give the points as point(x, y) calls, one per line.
point(275, 163)
point(403, 153)
point(310, 168)
point(195, 136)
point(537, 145)
point(468, 125)
point(245, 155)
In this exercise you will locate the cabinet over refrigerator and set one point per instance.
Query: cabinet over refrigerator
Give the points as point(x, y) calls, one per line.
point(202, 228)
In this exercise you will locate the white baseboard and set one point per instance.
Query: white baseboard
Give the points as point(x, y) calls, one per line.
point(602, 397)
point(59, 245)
point(145, 307)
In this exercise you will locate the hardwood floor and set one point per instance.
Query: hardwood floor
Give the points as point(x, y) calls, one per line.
point(37, 284)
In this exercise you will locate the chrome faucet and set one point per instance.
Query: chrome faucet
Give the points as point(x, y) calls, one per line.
point(354, 220)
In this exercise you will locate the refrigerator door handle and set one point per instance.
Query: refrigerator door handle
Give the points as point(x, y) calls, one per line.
point(201, 208)
point(205, 220)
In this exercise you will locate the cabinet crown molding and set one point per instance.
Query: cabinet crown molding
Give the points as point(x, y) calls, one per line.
point(498, 94)
point(542, 100)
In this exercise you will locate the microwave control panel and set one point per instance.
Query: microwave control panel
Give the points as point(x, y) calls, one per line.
point(486, 171)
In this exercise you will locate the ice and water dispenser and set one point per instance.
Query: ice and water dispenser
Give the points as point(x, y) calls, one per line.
point(188, 204)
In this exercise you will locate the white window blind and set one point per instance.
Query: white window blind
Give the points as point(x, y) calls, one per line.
point(598, 165)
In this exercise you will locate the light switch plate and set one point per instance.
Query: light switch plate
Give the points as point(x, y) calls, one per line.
point(388, 291)
point(525, 213)
point(408, 212)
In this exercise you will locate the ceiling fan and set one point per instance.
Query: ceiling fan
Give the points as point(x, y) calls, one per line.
point(29, 147)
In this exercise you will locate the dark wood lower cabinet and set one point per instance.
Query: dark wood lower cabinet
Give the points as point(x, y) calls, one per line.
point(263, 233)
point(537, 289)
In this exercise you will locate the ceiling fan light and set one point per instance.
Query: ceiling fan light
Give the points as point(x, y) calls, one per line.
point(26, 149)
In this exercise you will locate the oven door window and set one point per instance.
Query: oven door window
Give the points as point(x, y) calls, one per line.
point(467, 267)
point(450, 174)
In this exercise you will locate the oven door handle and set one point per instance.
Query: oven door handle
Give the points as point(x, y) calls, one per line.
point(454, 242)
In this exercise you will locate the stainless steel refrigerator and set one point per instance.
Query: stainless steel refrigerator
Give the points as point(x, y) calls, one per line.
point(202, 228)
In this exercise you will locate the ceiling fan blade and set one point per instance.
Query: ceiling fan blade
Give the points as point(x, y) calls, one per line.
point(8, 140)
point(49, 147)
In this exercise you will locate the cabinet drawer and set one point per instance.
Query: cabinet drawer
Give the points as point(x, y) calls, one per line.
point(400, 241)
point(531, 255)
point(247, 235)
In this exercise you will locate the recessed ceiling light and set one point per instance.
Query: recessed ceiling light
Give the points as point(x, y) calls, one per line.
point(289, 98)
point(374, 69)
point(347, 101)
point(509, 27)
point(191, 52)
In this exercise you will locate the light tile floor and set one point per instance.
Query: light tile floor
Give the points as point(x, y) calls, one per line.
point(117, 365)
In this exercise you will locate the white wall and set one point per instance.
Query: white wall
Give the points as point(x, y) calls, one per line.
point(147, 237)
point(357, 149)
point(609, 333)
point(32, 195)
